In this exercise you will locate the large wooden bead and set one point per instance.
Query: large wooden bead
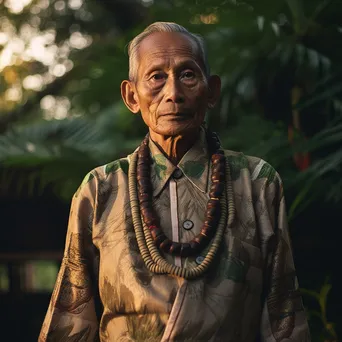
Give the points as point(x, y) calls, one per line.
point(207, 231)
point(161, 238)
point(145, 183)
point(141, 162)
point(165, 245)
point(175, 248)
point(144, 165)
point(213, 203)
point(144, 154)
point(217, 158)
point(155, 232)
point(144, 198)
point(215, 220)
point(217, 167)
point(207, 225)
point(201, 240)
point(141, 190)
point(142, 175)
point(145, 170)
point(212, 211)
point(185, 250)
point(146, 209)
point(218, 177)
point(150, 220)
point(216, 190)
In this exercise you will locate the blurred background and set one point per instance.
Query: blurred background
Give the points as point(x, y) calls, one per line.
point(61, 65)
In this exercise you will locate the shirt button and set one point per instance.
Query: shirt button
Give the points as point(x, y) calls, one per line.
point(177, 174)
point(199, 259)
point(187, 224)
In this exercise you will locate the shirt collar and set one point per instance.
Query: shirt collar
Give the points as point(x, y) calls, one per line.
point(194, 165)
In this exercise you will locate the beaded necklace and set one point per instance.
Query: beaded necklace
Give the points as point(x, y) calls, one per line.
point(150, 237)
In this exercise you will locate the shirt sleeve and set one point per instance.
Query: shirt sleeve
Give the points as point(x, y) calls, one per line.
point(71, 314)
point(283, 317)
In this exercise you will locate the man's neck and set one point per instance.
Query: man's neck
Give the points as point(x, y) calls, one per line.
point(174, 147)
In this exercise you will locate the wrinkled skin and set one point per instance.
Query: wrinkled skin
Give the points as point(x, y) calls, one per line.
point(171, 91)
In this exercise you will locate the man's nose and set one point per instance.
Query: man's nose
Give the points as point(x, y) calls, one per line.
point(173, 91)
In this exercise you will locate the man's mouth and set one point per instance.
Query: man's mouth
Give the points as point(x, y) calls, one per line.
point(177, 115)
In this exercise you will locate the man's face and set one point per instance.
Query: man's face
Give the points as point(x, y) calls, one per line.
point(171, 89)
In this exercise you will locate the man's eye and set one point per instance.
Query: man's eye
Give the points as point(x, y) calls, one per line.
point(157, 77)
point(188, 75)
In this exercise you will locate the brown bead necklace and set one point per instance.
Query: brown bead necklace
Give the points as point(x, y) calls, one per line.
point(213, 213)
point(150, 253)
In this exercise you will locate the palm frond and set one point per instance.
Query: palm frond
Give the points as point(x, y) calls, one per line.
point(58, 153)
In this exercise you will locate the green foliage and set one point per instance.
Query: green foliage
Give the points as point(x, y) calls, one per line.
point(44, 274)
point(261, 43)
point(322, 329)
point(60, 153)
point(263, 51)
point(4, 282)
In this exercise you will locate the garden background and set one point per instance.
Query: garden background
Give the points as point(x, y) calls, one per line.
point(61, 114)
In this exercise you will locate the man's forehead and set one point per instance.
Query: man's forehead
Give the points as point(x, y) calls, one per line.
point(159, 44)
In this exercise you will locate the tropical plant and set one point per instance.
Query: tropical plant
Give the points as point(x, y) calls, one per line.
point(270, 51)
point(280, 65)
point(321, 328)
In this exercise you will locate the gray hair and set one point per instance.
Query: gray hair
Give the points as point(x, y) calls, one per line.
point(133, 46)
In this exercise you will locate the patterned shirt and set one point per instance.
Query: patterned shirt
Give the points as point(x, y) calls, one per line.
point(104, 292)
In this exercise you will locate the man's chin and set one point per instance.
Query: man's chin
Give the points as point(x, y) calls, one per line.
point(177, 130)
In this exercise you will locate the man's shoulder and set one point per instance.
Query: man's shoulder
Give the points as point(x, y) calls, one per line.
point(115, 167)
point(253, 167)
point(104, 174)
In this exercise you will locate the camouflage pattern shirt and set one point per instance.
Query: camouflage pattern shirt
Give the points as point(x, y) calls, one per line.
point(104, 292)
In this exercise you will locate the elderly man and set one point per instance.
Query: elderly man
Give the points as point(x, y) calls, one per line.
point(181, 240)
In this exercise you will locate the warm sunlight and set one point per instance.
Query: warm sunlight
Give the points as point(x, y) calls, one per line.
point(16, 6)
point(28, 45)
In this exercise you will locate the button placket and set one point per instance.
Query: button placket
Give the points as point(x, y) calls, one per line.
point(174, 216)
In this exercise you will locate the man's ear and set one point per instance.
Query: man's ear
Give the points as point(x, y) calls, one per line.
point(129, 96)
point(214, 84)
